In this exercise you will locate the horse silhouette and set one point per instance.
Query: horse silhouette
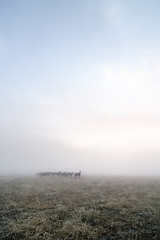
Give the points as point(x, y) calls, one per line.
point(77, 175)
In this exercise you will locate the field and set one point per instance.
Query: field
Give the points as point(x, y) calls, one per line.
point(100, 208)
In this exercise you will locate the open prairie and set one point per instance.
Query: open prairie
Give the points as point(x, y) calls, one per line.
point(100, 208)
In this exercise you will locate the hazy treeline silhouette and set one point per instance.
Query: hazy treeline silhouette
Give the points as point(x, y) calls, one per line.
point(60, 174)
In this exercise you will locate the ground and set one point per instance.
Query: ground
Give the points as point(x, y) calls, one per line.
point(92, 207)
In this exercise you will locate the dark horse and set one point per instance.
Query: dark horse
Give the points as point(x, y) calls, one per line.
point(77, 175)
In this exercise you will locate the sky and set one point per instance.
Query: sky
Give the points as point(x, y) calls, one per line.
point(79, 86)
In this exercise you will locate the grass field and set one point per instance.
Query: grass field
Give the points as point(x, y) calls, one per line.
point(100, 208)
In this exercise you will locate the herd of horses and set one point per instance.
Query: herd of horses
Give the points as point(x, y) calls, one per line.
point(60, 174)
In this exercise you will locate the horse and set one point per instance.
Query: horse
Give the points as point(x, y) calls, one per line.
point(63, 174)
point(70, 174)
point(77, 175)
point(57, 174)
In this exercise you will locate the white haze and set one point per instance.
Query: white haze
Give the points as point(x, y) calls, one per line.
point(79, 87)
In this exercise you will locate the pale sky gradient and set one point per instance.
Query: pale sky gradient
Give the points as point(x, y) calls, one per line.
point(80, 86)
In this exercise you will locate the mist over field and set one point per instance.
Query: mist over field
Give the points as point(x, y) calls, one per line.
point(79, 87)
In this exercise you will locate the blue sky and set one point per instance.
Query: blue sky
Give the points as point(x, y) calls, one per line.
point(80, 82)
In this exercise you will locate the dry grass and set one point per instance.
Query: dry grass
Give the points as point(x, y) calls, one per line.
point(87, 208)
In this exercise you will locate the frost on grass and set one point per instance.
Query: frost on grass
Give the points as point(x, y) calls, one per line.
point(88, 208)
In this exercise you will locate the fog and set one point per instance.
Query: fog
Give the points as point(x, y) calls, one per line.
point(79, 87)
point(112, 149)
